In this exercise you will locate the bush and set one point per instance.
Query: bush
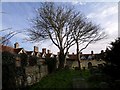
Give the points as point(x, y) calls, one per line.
point(112, 71)
point(7, 58)
point(8, 71)
point(33, 60)
point(99, 78)
point(113, 57)
point(23, 58)
point(51, 63)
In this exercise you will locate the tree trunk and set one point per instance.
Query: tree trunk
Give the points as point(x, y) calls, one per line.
point(78, 55)
point(61, 59)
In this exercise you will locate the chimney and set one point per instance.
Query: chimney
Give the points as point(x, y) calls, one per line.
point(102, 51)
point(16, 45)
point(36, 49)
point(106, 50)
point(48, 51)
point(92, 52)
point(44, 50)
point(73, 53)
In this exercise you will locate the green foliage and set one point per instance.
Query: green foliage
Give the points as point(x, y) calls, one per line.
point(7, 58)
point(23, 58)
point(33, 60)
point(60, 79)
point(51, 63)
point(8, 70)
point(113, 55)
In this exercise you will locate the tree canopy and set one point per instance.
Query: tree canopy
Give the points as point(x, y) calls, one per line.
point(113, 55)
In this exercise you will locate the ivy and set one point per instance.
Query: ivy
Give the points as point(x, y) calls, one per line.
point(24, 58)
point(51, 63)
point(8, 70)
point(8, 58)
point(33, 60)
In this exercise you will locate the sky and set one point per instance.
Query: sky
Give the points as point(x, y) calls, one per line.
point(17, 16)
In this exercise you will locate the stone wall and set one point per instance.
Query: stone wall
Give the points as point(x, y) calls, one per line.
point(72, 64)
point(33, 74)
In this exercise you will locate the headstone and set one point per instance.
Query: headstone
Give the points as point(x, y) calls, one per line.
point(29, 80)
point(89, 65)
point(84, 68)
point(79, 83)
point(103, 85)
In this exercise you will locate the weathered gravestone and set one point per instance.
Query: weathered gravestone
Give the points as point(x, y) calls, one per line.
point(79, 83)
point(89, 65)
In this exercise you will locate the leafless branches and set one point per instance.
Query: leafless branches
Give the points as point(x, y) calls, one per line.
point(4, 40)
point(63, 26)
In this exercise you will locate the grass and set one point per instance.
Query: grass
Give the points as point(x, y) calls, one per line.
point(65, 78)
point(60, 79)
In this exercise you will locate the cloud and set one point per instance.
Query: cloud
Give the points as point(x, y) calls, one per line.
point(107, 17)
point(112, 29)
point(103, 13)
point(77, 2)
point(109, 11)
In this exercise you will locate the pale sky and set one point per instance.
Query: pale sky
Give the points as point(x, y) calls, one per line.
point(18, 14)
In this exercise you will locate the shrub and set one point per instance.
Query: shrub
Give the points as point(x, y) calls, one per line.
point(51, 63)
point(33, 60)
point(23, 58)
point(8, 58)
point(8, 70)
point(113, 57)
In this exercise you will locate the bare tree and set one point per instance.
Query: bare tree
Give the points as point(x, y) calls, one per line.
point(54, 23)
point(8, 34)
point(58, 23)
point(5, 38)
point(85, 32)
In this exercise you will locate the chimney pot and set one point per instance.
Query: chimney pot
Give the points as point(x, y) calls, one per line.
point(16, 45)
point(91, 52)
point(36, 49)
point(44, 50)
point(48, 51)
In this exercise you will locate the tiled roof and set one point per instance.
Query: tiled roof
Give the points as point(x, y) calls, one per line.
point(48, 55)
point(7, 48)
point(10, 49)
point(17, 50)
point(29, 52)
point(72, 57)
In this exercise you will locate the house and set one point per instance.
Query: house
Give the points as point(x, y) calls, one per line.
point(71, 59)
point(28, 74)
point(32, 73)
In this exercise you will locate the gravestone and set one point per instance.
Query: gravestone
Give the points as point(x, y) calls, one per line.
point(29, 80)
point(89, 65)
point(79, 83)
point(84, 68)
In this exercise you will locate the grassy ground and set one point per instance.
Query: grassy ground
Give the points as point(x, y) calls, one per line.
point(60, 79)
point(68, 78)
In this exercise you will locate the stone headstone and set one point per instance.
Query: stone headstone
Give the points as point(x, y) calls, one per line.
point(89, 65)
point(29, 80)
point(79, 83)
